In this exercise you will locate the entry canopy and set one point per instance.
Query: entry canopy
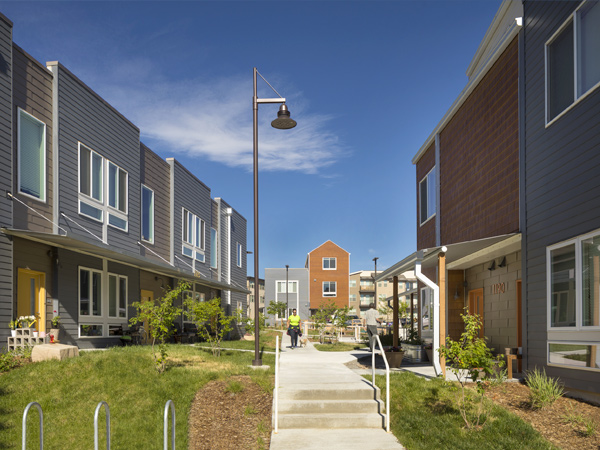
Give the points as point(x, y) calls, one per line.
point(461, 255)
point(83, 244)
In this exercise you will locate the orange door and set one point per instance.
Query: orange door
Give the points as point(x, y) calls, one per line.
point(476, 306)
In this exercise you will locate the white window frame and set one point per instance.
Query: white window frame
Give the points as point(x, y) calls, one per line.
point(291, 290)
point(329, 259)
point(112, 210)
point(213, 248)
point(239, 254)
point(43, 189)
point(429, 179)
point(150, 215)
point(330, 293)
point(574, 18)
point(196, 247)
point(118, 278)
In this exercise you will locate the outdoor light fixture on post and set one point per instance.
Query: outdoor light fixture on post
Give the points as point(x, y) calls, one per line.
point(375, 283)
point(283, 122)
point(287, 302)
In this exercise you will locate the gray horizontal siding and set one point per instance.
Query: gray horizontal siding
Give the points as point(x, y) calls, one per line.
point(6, 245)
point(561, 183)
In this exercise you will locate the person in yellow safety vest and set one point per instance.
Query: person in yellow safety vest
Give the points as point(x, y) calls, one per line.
point(293, 324)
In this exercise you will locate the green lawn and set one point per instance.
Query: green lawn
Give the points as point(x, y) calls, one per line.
point(126, 379)
point(337, 347)
point(424, 416)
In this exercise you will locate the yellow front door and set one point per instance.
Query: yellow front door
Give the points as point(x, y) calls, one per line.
point(31, 296)
point(146, 296)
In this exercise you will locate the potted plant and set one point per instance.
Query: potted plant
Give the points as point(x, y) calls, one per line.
point(413, 346)
point(13, 325)
point(55, 330)
point(394, 356)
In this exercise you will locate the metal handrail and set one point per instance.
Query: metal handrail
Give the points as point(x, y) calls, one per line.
point(107, 409)
point(41, 415)
point(387, 381)
point(166, 425)
point(276, 392)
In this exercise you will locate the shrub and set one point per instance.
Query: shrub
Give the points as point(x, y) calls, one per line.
point(212, 321)
point(544, 391)
point(14, 358)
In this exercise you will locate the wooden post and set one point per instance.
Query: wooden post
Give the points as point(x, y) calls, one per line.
point(396, 304)
point(442, 318)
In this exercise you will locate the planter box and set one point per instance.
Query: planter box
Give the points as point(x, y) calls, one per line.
point(414, 353)
point(394, 359)
point(429, 352)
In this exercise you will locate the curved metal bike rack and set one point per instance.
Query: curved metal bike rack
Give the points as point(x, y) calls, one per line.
point(107, 409)
point(41, 415)
point(170, 405)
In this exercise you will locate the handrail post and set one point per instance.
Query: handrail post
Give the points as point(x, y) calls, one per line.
point(107, 409)
point(41, 420)
point(166, 425)
point(276, 393)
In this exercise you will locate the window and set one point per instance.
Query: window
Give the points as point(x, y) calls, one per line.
point(32, 156)
point(575, 355)
point(366, 299)
point(329, 289)
point(427, 196)
point(213, 248)
point(92, 190)
point(367, 284)
point(352, 283)
point(329, 263)
point(90, 292)
point(292, 287)
point(239, 254)
point(427, 309)
point(352, 297)
point(193, 236)
point(147, 214)
point(117, 296)
point(572, 65)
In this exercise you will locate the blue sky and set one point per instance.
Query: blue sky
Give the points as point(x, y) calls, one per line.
point(367, 82)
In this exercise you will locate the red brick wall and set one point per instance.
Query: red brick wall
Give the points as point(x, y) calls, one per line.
point(341, 275)
point(479, 158)
point(425, 232)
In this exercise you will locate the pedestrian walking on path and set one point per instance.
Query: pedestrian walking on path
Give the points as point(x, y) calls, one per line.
point(372, 322)
point(293, 324)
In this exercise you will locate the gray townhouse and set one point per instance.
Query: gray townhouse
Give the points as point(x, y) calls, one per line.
point(295, 296)
point(560, 145)
point(91, 219)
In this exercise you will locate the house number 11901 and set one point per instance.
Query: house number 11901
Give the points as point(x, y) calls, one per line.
point(498, 288)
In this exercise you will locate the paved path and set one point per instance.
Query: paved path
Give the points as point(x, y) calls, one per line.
point(305, 368)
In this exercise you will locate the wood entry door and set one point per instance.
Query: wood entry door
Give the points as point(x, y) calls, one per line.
point(476, 306)
point(31, 296)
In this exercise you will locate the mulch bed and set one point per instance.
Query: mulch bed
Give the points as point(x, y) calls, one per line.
point(222, 420)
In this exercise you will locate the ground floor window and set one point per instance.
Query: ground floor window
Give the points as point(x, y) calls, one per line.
point(574, 355)
point(427, 309)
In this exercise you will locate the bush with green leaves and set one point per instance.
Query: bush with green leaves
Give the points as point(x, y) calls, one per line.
point(323, 316)
point(160, 316)
point(249, 324)
point(212, 321)
point(543, 390)
point(340, 321)
point(15, 358)
point(277, 309)
point(471, 356)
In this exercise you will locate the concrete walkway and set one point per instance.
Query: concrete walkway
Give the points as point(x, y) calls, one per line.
point(323, 377)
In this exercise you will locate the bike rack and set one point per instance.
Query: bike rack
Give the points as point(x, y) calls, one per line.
point(107, 409)
point(41, 416)
point(170, 405)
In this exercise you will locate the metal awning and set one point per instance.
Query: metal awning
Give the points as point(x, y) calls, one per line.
point(93, 247)
point(461, 255)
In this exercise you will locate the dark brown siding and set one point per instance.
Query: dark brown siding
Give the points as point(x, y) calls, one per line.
point(32, 92)
point(425, 232)
point(479, 158)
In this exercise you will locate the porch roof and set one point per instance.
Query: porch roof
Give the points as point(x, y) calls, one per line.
point(85, 245)
point(461, 255)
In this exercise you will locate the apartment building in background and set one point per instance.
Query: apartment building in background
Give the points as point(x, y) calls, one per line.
point(362, 290)
point(91, 219)
point(328, 275)
point(250, 299)
point(295, 295)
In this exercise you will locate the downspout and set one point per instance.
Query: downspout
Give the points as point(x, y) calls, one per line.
point(436, 309)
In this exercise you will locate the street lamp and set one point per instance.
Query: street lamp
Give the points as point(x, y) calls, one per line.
point(283, 122)
point(287, 303)
point(375, 283)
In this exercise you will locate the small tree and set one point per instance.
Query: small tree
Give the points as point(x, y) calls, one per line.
point(277, 309)
point(160, 316)
point(385, 310)
point(470, 356)
point(323, 315)
point(248, 322)
point(341, 319)
point(211, 320)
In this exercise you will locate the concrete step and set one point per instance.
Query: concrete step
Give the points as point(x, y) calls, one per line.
point(330, 406)
point(329, 392)
point(330, 421)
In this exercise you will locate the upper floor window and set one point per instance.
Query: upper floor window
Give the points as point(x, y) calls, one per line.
point(193, 236)
point(292, 287)
point(352, 283)
point(93, 192)
point(239, 254)
point(213, 248)
point(572, 63)
point(31, 156)
point(147, 214)
point(329, 289)
point(329, 263)
point(427, 197)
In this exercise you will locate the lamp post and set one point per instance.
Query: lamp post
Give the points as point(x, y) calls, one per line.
point(283, 122)
point(375, 282)
point(287, 302)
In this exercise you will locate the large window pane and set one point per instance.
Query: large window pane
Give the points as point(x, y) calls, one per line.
point(96, 294)
point(431, 193)
point(32, 155)
point(590, 255)
point(112, 296)
point(589, 46)
point(122, 191)
point(561, 89)
point(84, 293)
point(122, 297)
point(562, 312)
point(96, 177)
point(84, 171)
point(112, 185)
point(423, 200)
point(147, 214)
point(213, 248)
point(575, 355)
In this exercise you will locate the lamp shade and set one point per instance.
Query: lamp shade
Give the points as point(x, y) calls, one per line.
point(283, 121)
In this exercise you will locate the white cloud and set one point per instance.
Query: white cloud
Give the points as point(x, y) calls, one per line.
point(214, 120)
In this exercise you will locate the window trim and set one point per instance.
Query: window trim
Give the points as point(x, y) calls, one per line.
point(239, 254)
point(151, 213)
point(44, 190)
point(329, 294)
point(213, 248)
point(329, 258)
point(568, 366)
point(198, 251)
point(574, 19)
point(426, 179)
